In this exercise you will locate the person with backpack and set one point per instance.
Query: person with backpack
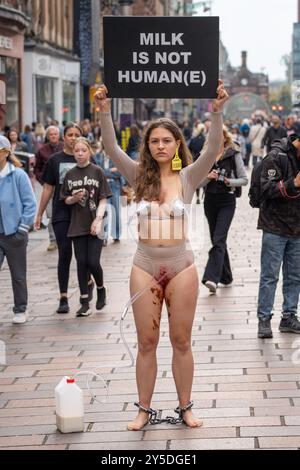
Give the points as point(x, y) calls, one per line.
point(278, 196)
point(222, 187)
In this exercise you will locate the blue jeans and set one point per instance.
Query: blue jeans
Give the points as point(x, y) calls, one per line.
point(276, 251)
point(113, 223)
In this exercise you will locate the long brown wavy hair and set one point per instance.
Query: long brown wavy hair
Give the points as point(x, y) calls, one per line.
point(147, 183)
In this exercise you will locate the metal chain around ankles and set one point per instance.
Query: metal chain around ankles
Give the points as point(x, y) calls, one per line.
point(153, 420)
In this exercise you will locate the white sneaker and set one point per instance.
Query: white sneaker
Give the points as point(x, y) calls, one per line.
point(212, 286)
point(20, 318)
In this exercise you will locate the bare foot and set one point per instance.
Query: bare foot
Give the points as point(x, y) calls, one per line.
point(191, 421)
point(140, 421)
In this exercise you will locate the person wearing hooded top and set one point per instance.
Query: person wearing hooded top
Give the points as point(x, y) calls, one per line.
point(221, 188)
point(279, 220)
point(17, 211)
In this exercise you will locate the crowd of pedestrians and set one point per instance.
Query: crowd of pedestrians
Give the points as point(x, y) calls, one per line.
point(272, 142)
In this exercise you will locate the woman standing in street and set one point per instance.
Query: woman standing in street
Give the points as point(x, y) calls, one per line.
point(17, 211)
point(86, 190)
point(164, 184)
point(222, 186)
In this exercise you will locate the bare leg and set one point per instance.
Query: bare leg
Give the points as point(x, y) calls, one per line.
point(147, 315)
point(181, 298)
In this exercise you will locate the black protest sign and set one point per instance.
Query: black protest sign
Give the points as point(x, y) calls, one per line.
point(159, 57)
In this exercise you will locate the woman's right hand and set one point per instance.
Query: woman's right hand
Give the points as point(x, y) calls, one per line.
point(101, 99)
point(78, 197)
point(38, 222)
point(213, 175)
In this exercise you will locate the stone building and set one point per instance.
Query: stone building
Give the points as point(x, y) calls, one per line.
point(13, 23)
point(52, 70)
point(249, 91)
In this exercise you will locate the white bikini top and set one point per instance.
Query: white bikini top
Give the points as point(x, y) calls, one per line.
point(154, 209)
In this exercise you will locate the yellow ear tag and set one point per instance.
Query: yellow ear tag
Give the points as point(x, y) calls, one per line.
point(176, 162)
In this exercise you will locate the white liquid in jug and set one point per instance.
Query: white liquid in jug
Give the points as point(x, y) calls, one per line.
point(67, 425)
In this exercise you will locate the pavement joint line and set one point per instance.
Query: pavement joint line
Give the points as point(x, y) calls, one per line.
point(252, 414)
point(89, 428)
point(282, 421)
point(292, 403)
point(256, 443)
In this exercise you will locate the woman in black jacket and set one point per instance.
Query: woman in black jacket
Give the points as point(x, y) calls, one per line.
point(222, 186)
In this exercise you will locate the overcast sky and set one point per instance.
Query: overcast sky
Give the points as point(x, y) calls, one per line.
point(262, 27)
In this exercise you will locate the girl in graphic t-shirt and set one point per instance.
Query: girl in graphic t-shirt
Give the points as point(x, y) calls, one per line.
point(86, 189)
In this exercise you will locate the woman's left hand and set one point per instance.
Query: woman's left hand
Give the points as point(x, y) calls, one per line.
point(227, 181)
point(218, 103)
point(95, 228)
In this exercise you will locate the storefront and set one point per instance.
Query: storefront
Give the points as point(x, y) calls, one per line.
point(52, 88)
point(11, 63)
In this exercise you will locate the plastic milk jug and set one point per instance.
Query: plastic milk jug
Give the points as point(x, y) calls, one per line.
point(69, 406)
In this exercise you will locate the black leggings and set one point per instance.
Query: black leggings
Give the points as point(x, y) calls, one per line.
point(64, 254)
point(219, 211)
point(88, 252)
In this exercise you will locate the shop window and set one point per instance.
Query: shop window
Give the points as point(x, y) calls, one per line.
point(45, 100)
point(69, 100)
point(10, 75)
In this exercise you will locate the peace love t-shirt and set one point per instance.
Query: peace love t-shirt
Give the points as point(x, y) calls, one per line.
point(91, 179)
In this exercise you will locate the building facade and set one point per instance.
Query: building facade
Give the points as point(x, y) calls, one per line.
point(87, 48)
point(51, 68)
point(249, 91)
point(295, 62)
point(13, 23)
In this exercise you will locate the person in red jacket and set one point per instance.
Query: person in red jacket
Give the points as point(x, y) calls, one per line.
point(53, 145)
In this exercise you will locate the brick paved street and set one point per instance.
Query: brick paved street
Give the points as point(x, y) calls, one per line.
point(246, 390)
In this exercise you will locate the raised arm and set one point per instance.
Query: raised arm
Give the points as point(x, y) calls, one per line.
point(199, 170)
point(126, 166)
